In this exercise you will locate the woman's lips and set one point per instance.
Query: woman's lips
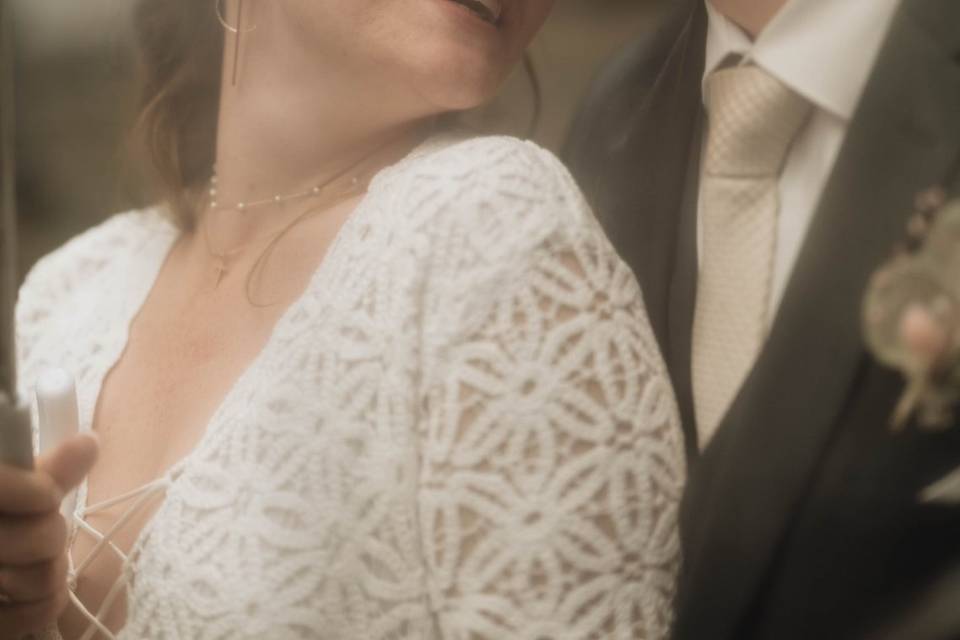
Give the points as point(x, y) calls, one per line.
point(487, 10)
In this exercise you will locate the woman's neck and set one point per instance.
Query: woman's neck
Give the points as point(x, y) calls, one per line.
point(291, 122)
point(751, 15)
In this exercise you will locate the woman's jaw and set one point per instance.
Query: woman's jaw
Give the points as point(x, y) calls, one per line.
point(452, 54)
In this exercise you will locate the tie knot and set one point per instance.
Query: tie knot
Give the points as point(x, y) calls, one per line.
point(753, 120)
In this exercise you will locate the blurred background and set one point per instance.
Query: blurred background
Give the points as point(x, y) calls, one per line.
point(76, 94)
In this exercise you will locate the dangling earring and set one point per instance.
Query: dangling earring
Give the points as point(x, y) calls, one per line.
point(238, 31)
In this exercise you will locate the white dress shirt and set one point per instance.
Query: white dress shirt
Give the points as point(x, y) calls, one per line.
point(824, 50)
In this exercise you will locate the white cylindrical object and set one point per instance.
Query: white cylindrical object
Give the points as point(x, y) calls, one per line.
point(59, 419)
point(57, 407)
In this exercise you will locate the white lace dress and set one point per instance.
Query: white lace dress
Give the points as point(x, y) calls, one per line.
point(463, 429)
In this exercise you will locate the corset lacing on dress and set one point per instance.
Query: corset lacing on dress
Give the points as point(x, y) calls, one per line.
point(136, 501)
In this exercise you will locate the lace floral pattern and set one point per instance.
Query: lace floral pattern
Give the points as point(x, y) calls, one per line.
point(462, 431)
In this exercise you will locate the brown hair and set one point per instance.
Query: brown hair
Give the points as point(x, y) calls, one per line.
point(181, 54)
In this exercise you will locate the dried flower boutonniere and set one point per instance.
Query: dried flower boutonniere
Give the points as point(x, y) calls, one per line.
point(912, 322)
point(912, 314)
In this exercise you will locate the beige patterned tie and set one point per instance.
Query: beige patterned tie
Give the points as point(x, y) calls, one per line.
point(753, 120)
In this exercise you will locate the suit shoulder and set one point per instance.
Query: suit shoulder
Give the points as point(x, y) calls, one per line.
point(635, 66)
point(632, 76)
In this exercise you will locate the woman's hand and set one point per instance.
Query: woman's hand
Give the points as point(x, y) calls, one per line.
point(33, 536)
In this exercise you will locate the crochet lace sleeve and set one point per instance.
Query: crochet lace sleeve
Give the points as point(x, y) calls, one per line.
point(552, 461)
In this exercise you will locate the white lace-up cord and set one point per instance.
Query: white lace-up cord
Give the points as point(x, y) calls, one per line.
point(137, 498)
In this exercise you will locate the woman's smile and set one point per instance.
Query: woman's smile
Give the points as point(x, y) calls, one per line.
point(489, 11)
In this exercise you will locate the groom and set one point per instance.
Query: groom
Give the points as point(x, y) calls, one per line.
point(755, 161)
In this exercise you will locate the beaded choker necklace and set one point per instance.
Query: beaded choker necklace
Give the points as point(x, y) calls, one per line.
point(352, 180)
point(324, 192)
point(278, 199)
point(224, 259)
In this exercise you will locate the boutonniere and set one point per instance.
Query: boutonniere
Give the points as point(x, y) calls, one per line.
point(912, 313)
point(912, 323)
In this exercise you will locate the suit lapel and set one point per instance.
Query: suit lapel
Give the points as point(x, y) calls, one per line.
point(683, 295)
point(756, 471)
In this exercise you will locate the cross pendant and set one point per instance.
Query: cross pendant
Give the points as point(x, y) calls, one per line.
point(221, 272)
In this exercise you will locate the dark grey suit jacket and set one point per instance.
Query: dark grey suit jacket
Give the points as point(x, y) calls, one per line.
point(801, 518)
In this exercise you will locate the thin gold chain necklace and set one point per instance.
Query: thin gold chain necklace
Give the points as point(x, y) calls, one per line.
point(224, 259)
point(357, 184)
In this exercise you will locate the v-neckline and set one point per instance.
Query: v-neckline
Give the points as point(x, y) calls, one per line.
point(149, 264)
point(143, 269)
point(149, 261)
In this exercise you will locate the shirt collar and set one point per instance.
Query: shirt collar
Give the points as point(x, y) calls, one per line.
point(822, 49)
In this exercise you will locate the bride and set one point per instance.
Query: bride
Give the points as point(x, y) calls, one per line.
point(359, 376)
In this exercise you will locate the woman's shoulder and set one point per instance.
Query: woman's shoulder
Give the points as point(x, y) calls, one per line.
point(494, 153)
point(503, 194)
point(491, 175)
point(85, 255)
